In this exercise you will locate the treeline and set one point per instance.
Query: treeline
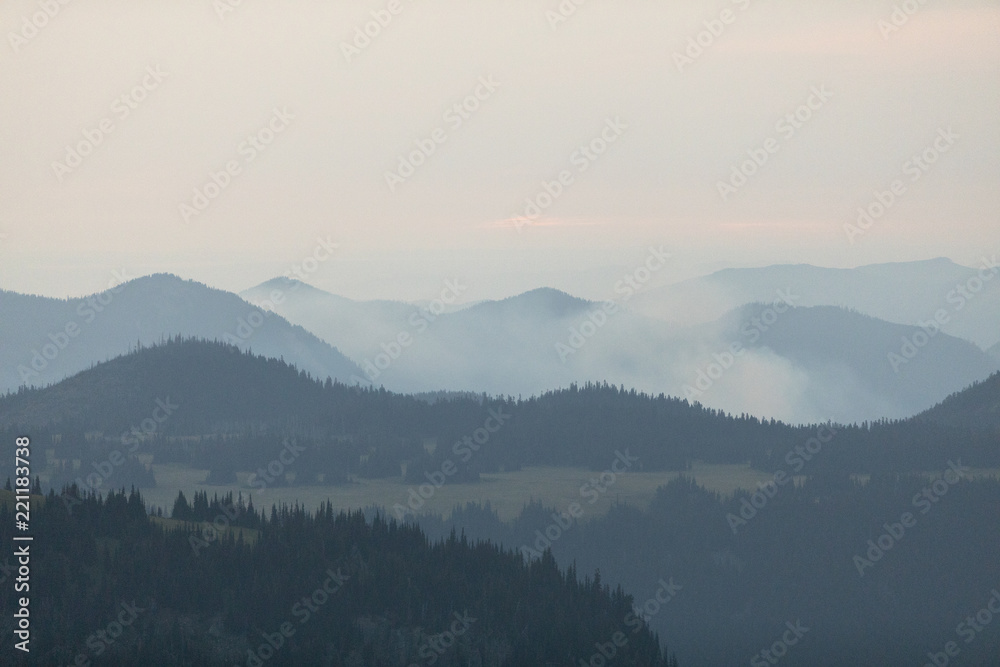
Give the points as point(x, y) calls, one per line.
point(977, 407)
point(881, 573)
point(209, 405)
point(115, 586)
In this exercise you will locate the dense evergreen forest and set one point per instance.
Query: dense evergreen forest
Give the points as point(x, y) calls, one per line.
point(882, 566)
point(873, 586)
point(112, 586)
point(976, 407)
point(211, 406)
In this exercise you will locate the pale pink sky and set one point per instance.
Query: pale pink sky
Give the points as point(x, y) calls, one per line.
point(324, 175)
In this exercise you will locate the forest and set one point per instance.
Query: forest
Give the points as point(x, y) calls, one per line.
point(111, 585)
point(882, 573)
point(854, 530)
point(230, 410)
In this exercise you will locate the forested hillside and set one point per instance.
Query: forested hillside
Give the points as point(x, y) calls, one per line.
point(977, 407)
point(112, 585)
point(210, 405)
point(874, 571)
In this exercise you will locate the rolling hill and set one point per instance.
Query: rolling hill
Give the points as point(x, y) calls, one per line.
point(217, 406)
point(45, 340)
point(977, 407)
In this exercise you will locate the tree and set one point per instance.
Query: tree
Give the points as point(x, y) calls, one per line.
point(181, 508)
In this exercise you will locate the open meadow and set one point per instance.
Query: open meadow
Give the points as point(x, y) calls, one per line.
point(507, 492)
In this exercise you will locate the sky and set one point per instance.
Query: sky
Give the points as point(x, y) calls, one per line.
point(230, 144)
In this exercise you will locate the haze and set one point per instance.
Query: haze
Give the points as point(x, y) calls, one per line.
point(345, 118)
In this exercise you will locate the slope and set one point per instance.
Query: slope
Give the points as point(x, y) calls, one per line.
point(46, 340)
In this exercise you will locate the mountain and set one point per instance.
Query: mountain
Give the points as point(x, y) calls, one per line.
point(504, 346)
point(817, 364)
point(213, 385)
point(903, 292)
point(46, 340)
point(851, 366)
point(211, 406)
point(977, 407)
point(994, 351)
point(352, 323)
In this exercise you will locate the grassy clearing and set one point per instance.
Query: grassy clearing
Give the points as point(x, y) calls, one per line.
point(507, 492)
point(8, 499)
point(249, 534)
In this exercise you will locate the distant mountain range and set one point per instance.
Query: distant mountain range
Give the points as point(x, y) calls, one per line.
point(812, 344)
point(904, 293)
point(844, 363)
point(800, 364)
point(45, 340)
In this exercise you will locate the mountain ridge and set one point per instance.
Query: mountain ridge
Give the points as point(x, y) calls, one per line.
point(213, 388)
point(897, 292)
point(47, 339)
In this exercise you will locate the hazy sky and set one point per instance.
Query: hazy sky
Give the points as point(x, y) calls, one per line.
point(179, 86)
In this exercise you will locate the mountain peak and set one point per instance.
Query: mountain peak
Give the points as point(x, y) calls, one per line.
point(285, 285)
point(545, 299)
point(281, 282)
